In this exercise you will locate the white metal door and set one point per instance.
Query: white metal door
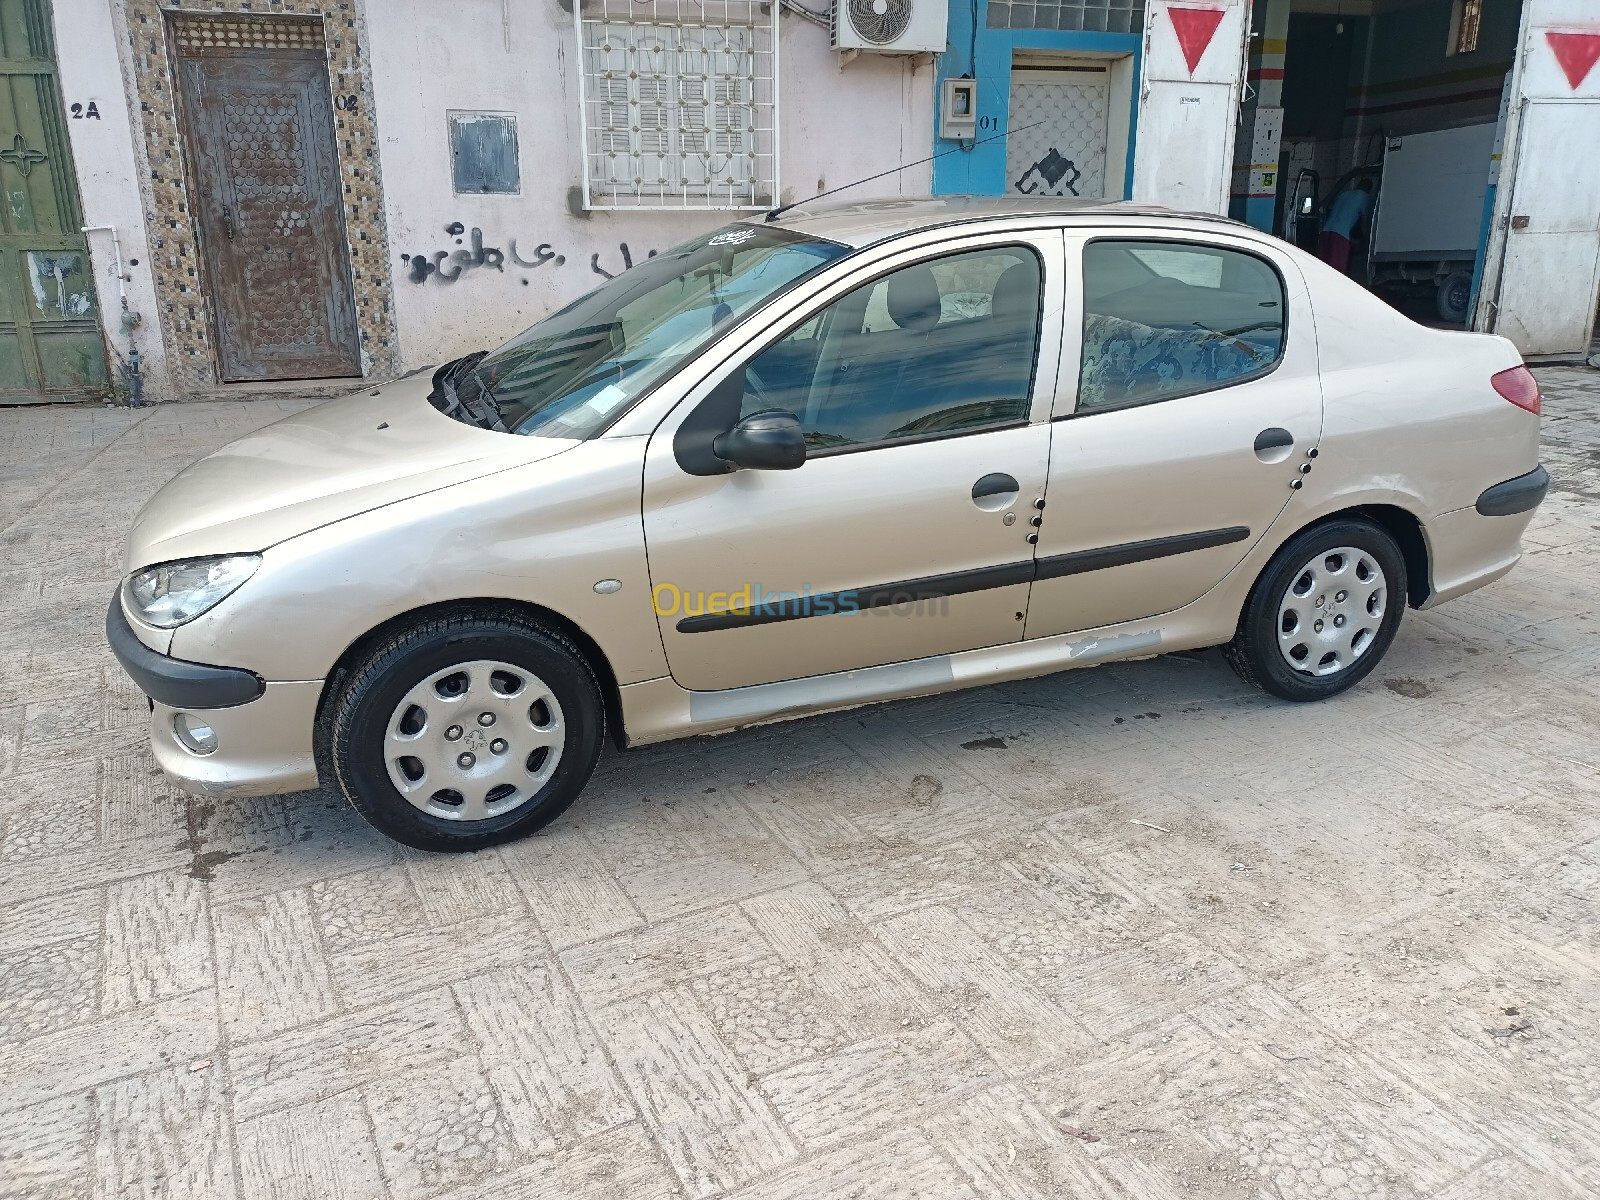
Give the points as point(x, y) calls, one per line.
point(1060, 126)
point(1546, 239)
point(1193, 69)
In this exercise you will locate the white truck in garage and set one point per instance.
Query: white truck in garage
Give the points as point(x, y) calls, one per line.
point(1428, 220)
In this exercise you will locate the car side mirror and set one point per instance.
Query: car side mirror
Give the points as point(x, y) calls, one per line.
point(763, 441)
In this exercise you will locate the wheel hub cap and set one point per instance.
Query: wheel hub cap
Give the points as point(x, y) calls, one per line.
point(474, 740)
point(1331, 611)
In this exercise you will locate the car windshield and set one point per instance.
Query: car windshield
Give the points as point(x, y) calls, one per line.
point(567, 376)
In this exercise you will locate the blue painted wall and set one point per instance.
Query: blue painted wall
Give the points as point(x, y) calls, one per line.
point(981, 170)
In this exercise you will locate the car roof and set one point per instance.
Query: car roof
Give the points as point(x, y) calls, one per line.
point(864, 223)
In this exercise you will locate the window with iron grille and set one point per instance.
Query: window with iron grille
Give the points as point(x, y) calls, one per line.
point(679, 103)
point(1097, 16)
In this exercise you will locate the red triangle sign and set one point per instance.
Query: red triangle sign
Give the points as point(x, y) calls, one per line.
point(1195, 28)
point(1577, 54)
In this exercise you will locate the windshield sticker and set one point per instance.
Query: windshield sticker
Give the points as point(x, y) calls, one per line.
point(733, 237)
point(606, 399)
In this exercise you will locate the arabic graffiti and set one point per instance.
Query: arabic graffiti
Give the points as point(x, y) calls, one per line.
point(627, 261)
point(447, 266)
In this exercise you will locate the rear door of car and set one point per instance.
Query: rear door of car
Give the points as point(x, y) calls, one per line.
point(924, 381)
point(1190, 404)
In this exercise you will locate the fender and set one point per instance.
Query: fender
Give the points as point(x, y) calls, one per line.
point(547, 534)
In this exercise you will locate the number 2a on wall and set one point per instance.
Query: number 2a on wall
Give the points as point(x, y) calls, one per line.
point(80, 111)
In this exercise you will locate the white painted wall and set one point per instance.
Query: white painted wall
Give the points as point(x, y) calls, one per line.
point(835, 124)
point(1188, 117)
point(89, 54)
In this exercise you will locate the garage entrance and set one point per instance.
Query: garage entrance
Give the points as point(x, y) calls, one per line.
point(1392, 120)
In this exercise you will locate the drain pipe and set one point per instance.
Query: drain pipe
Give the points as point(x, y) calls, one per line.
point(131, 378)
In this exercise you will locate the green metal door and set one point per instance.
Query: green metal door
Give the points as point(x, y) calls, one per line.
point(50, 342)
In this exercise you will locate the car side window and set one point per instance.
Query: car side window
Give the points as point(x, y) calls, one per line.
point(1168, 319)
point(932, 350)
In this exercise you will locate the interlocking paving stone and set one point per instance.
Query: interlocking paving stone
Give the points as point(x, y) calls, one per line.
point(310, 1152)
point(157, 940)
point(714, 1128)
point(271, 972)
point(423, 1031)
point(165, 1134)
point(568, 887)
point(84, 1056)
point(922, 949)
point(542, 1056)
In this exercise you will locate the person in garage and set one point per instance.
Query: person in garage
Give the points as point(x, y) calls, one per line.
point(1349, 208)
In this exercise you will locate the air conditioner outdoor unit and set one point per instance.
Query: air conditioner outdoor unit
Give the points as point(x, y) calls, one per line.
point(889, 26)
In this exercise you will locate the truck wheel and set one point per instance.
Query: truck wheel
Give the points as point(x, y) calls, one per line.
point(1455, 296)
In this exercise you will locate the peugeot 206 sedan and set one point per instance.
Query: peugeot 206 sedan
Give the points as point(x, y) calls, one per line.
point(804, 463)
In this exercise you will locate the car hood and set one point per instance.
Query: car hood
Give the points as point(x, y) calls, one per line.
point(319, 466)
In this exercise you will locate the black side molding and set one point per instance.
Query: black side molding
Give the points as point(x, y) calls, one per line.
point(1515, 495)
point(174, 681)
point(822, 604)
point(1102, 557)
point(935, 587)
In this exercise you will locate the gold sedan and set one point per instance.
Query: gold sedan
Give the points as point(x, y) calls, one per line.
point(840, 457)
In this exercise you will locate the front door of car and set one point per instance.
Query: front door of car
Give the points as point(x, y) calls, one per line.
point(1196, 406)
point(923, 386)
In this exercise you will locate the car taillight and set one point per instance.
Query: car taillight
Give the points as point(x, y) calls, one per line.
point(1518, 386)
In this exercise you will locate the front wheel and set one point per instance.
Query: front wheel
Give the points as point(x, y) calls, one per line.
point(1323, 612)
point(466, 731)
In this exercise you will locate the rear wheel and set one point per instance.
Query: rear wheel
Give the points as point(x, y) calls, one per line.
point(1455, 297)
point(1323, 613)
point(463, 732)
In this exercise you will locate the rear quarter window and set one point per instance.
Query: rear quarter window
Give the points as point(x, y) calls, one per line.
point(1167, 319)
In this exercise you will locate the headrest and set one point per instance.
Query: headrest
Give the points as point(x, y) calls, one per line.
point(914, 298)
point(1016, 292)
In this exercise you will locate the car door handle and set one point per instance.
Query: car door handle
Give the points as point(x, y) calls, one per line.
point(998, 484)
point(1273, 444)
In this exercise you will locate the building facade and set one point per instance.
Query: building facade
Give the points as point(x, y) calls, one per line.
point(211, 197)
point(1462, 119)
point(326, 191)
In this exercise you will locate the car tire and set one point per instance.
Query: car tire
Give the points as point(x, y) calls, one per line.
point(1323, 613)
point(442, 735)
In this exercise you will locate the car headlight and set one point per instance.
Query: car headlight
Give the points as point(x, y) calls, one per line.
point(173, 593)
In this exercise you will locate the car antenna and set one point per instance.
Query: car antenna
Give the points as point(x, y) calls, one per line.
point(774, 213)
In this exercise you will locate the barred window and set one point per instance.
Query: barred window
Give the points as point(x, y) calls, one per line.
point(679, 103)
point(1097, 16)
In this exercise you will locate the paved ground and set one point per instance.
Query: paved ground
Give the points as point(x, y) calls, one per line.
point(921, 950)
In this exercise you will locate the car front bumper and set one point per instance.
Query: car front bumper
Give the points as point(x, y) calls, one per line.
point(263, 731)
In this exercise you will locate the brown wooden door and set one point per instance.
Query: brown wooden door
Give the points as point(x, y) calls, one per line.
point(266, 197)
